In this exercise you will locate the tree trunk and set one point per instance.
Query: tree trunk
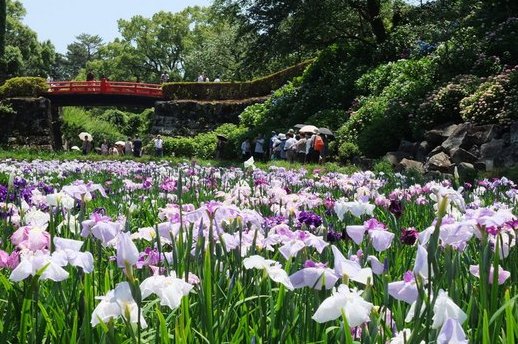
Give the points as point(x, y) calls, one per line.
point(375, 20)
point(3, 23)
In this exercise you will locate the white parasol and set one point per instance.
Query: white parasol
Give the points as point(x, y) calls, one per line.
point(308, 129)
point(85, 135)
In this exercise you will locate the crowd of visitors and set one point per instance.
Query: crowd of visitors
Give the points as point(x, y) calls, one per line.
point(129, 147)
point(303, 147)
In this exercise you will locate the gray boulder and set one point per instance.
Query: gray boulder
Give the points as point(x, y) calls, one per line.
point(394, 158)
point(408, 147)
point(478, 135)
point(422, 151)
point(461, 155)
point(466, 171)
point(437, 135)
point(513, 134)
point(411, 165)
point(457, 138)
point(491, 149)
point(439, 162)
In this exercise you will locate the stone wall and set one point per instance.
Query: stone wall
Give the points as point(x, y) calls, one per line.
point(36, 124)
point(188, 118)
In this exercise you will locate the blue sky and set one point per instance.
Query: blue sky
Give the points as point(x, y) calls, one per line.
point(62, 20)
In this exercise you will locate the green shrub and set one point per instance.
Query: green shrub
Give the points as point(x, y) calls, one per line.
point(116, 117)
point(458, 54)
point(494, 101)
point(380, 120)
point(23, 87)
point(203, 145)
point(347, 151)
point(235, 135)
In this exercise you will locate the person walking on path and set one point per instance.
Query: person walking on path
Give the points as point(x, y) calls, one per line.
point(259, 148)
point(137, 147)
point(128, 147)
point(159, 146)
point(104, 147)
point(300, 148)
point(289, 147)
point(246, 149)
point(271, 147)
point(318, 147)
point(86, 146)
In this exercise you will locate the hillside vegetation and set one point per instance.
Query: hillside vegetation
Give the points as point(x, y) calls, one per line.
point(446, 62)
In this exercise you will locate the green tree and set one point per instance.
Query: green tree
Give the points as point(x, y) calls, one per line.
point(24, 54)
point(157, 42)
point(214, 47)
point(3, 23)
point(182, 44)
point(84, 49)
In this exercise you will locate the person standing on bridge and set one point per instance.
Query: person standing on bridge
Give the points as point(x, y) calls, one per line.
point(137, 147)
point(90, 76)
point(164, 78)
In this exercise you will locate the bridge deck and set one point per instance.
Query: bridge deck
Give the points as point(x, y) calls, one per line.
point(105, 87)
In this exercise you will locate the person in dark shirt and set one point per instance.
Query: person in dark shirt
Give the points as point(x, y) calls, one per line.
point(137, 147)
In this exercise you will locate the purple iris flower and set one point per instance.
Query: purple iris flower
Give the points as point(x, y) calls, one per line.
point(149, 257)
point(405, 290)
point(19, 182)
point(396, 208)
point(409, 236)
point(168, 185)
point(309, 219)
point(333, 236)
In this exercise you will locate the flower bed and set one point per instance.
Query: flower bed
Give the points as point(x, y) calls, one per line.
point(125, 251)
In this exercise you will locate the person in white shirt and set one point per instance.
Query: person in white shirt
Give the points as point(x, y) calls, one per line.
point(159, 146)
point(300, 148)
point(258, 149)
point(289, 147)
point(164, 78)
point(217, 79)
point(201, 78)
point(128, 147)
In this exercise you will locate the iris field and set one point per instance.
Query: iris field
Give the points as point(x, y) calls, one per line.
point(127, 252)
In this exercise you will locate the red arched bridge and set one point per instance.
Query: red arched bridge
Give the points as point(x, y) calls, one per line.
point(103, 92)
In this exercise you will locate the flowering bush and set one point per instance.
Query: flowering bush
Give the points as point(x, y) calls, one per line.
point(494, 101)
point(443, 105)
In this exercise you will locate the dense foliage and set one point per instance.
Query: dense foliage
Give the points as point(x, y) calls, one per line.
point(110, 124)
point(424, 73)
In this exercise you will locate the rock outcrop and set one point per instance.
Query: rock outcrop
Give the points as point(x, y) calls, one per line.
point(463, 147)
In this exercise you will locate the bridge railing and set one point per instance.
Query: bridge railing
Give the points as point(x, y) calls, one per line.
point(105, 87)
